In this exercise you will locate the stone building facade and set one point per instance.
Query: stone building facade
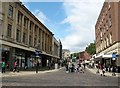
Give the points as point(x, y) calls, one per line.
point(21, 34)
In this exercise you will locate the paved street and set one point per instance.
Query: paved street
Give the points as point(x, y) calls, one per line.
point(60, 78)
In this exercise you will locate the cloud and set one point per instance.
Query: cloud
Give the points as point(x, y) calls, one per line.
point(82, 17)
point(41, 16)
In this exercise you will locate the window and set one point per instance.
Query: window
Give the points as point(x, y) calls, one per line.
point(10, 12)
point(109, 6)
point(104, 29)
point(42, 45)
point(107, 25)
point(35, 42)
point(107, 41)
point(36, 29)
point(104, 44)
point(110, 21)
point(101, 32)
point(9, 31)
point(19, 18)
point(30, 40)
point(30, 25)
point(18, 35)
point(110, 35)
point(106, 10)
point(50, 48)
point(24, 21)
point(24, 38)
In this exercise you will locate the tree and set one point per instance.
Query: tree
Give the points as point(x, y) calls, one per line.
point(75, 55)
point(91, 49)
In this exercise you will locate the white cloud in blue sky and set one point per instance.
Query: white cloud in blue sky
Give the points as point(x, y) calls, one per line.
point(72, 22)
point(82, 17)
point(40, 15)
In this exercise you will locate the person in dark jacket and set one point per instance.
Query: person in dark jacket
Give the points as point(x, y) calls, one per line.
point(67, 69)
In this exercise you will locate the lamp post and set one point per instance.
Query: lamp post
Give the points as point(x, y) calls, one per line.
point(37, 52)
point(114, 59)
point(37, 56)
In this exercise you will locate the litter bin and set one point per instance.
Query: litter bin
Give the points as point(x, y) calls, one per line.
point(56, 65)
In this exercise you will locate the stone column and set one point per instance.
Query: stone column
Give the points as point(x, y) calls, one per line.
point(33, 34)
point(14, 23)
point(37, 35)
point(28, 32)
point(5, 19)
point(41, 39)
point(44, 40)
point(22, 28)
point(12, 58)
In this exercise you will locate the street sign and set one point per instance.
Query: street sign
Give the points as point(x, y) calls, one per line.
point(37, 53)
point(113, 55)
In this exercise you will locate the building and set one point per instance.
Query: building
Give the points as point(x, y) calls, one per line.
point(22, 33)
point(55, 50)
point(84, 56)
point(60, 50)
point(66, 54)
point(107, 31)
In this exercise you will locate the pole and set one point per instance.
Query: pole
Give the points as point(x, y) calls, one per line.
point(36, 64)
point(37, 56)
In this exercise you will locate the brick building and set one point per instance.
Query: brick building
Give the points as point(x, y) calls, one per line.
point(84, 56)
point(107, 31)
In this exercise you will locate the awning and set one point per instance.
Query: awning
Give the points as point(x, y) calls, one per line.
point(104, 56)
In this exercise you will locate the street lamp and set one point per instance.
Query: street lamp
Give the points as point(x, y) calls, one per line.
point(114, 59)
point(37, 52)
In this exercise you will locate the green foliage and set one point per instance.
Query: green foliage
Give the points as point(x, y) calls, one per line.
point(75, 55)
point(91, 49)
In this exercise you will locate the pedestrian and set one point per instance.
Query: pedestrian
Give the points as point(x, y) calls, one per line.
point(67, 69)
point(73, 67)
point(49, 65)
point(70, 66)
point(97, 66)
point(15, 66)
point(85, 64)
point(81, 68)
point(3, 66)
point(103, 71)
point(113, 71)
point(8, 64)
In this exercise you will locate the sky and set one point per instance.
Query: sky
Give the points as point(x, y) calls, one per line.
point(71, 21)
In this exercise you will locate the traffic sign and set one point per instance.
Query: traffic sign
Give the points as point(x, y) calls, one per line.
point(113, 55)
point(37, 53)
